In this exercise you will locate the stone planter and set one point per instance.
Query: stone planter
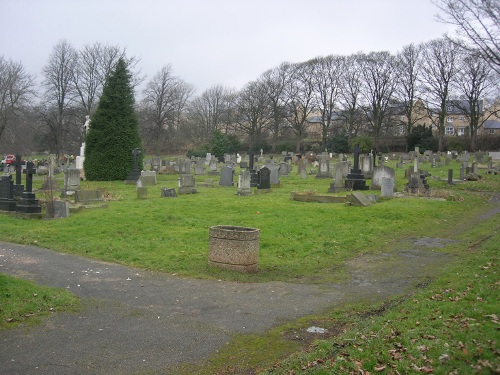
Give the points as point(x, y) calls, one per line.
point(234, 248)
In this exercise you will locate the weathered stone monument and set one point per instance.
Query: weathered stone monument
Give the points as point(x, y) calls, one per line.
point(244, 183)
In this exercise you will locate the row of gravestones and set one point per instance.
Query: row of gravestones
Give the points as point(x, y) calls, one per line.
point(15, 197)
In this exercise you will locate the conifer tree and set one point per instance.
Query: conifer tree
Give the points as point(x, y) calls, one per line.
point(113, 131)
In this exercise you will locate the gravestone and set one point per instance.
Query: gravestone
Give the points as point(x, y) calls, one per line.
point(135, 173)
point(156, 163)
point(57, 209)
point(18, 186)
point(274, 173)
point(71, 181)
point(284, 169)
point(7, 202)
point(185, 166)
point(186, 184)
point(359, 199)
point(244, 183)
point(88, 197)
point(28, 204)
point(450, 176)
point(337, 184)
point(168, 192)
point(148, 178)
point(355, 180)
point(142, 192)
point(264, 179)
point(226, 176)
point(379, 173)
point(199, 170)
point(387, 187)
point(323, 166)
point(213, 167)
point(366, 165)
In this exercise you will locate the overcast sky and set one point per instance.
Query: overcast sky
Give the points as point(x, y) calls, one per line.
point(208, 42)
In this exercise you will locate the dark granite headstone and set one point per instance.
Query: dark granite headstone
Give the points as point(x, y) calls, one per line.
point(264, 178)
point(7, 202)
point(28, 204)
point(135, 173)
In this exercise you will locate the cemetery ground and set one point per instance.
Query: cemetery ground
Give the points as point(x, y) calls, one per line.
point(443, 320)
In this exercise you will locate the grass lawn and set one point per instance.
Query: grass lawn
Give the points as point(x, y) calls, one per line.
point(449, 322)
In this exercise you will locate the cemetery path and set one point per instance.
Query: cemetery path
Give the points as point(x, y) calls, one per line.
point(135, 321)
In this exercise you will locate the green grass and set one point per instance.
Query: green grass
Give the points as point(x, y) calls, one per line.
point(299, 241)
point(309, 243)
point(451, 327)
point(25, 302)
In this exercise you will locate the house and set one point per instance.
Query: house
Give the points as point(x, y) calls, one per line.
point(491, 127)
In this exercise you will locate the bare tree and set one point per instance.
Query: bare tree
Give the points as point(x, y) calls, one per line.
point(475, 83)
point(409, 67)
point(438, 72)
point(275, 82)
point(95, 62)
point(326, 74)
point(209, 112)
point(252, 106)
point(478, 23)
point(380, 81)
point(16, 91)
point(349, 96)
point(301, 100)
point(59, 91)
point(165, 97)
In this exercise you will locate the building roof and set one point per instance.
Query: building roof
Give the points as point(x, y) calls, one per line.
point(491, 124)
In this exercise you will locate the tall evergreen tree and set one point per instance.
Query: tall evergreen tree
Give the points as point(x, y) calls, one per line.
point(113, 131)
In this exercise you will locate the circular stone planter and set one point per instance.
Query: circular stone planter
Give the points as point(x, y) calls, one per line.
point(234, 248)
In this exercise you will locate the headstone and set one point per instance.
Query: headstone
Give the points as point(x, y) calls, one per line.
point(213, 167)
point(355, 180)
point(387, 186)
point(226, 176)
point(366, 165)
point(142, 192)
point(18, 186)
point(71, 181)
point(274, 173)
point(359, 199)
point(7, 202)
point(337, 184)
point(185, 166)
point(283, 171)
point(244, 183)
point(60, 209)
point(135, 173)
point(324, 166)
point(87, 197)
point(450, 176)
point(379, 173)
point(28, 204)
point(186, 184)
point(199, 170)
point(264, 178)
point(156, 163)
point(168, 192)
point(148, 178)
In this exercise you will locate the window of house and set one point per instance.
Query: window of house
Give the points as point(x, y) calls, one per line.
point(462, 118)
point(449, 119)
point(461, 131)
point(449, 109)
point(492, 131)
point(450, 130)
